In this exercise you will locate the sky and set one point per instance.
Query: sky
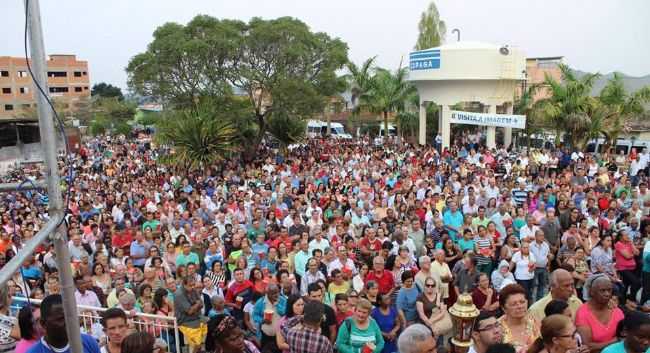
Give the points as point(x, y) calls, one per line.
point(593, 35)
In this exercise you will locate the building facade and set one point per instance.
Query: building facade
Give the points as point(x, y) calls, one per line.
point(67, 79)
point(536, 71)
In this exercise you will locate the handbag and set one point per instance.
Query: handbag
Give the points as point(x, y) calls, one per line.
point(444, 325)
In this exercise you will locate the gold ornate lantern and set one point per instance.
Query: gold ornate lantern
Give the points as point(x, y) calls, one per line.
point(463, 313)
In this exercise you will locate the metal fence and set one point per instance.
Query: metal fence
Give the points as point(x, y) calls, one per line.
point(161, 327)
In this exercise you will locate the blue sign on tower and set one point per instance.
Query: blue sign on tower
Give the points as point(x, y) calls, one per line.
point(425, 59)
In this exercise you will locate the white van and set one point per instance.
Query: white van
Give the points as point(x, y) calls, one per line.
point(392, 130)
point(318, 128)
point(622, 144)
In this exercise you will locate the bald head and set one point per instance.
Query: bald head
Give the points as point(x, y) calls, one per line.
point(562, 284)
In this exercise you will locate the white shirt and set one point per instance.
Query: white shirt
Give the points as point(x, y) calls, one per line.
point(526, 231)
point(521, 266)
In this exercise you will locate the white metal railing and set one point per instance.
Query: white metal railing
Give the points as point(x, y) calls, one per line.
point(163, 327)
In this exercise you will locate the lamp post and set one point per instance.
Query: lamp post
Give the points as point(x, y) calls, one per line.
point(463, 313)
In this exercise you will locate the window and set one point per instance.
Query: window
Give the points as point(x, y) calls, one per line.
point(24, 90)
point(6, 90)
point(22, 73)
point(77, 74)
point(4, 73)
point(9, 107)
point(25, 106)
point(78, 89)
point(84, 73)
point(85, 88)
point(57, 74)
point(58, 89)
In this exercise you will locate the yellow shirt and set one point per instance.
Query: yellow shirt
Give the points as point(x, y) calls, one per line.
point(335, 289)
point(537, 309)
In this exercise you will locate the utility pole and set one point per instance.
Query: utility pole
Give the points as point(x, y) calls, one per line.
point(50, 150)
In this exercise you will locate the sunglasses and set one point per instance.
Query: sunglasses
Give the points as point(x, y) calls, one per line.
point(430, 285)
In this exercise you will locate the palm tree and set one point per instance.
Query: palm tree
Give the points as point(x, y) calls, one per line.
point(524, 105)
point(389, 93)
point(408, 123)
point(198, 138)
point(286, 130)
point(569, 99)
point(623, 107)
point(358, 80)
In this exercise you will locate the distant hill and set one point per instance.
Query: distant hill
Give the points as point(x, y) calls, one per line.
point(632, 84)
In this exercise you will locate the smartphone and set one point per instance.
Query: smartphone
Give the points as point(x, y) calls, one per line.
point(578, 340)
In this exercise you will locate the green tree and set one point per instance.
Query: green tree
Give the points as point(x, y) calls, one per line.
point(525, 105)
point(388, 93)
point(106, 90)
point(432, 29)
point(113, 109)
point(287, 130)
point(280, 65)
point(198, 137)
point(358, 79)
point(623, 107)
point(568, 105)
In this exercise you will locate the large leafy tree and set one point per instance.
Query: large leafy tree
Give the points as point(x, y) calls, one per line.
point(287, 131)
point(389, 93)
point(280, 65)
point(106, 90)
point(432, 29)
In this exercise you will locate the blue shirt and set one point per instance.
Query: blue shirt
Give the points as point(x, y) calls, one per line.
point(618, 347)
point(88, 344)
point(141, 250)
point(406, 302)
point(454, 219)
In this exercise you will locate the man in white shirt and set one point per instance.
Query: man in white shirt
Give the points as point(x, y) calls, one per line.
point(528, 231)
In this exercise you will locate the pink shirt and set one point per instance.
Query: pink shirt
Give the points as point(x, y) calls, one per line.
point(599, 333)
point(622, 263)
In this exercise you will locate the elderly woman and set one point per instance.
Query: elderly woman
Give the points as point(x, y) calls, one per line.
point(519, 329)
point(596, 319)
point(502, 276)
point(441, 272)
point(558, 335)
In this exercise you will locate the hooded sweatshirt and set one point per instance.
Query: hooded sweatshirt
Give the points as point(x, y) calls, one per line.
point(499, 280)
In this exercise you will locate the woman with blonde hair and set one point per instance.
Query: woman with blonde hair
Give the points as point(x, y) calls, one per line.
point(558, 335)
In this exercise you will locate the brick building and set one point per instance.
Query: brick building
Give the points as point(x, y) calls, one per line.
point(67, 79)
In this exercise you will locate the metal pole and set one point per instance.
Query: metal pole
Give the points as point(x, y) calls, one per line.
point(48, 144)
point(27, 250)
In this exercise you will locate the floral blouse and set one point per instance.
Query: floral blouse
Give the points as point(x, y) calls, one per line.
point(531, 334)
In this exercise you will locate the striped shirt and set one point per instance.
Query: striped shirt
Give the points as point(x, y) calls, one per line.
point(483, 243)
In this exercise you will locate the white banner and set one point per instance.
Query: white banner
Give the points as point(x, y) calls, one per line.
point(501, 120)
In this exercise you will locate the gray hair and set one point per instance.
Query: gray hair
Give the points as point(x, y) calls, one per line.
point(407, 341)
point(423, 258)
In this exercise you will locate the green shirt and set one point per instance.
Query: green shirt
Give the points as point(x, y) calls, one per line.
point(183, 259)
point(465, 244)
point(351, 339)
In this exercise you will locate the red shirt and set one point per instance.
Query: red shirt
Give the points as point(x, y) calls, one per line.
point(385, 281)
point(342, 316)
point(374, 246)
point(122, 240)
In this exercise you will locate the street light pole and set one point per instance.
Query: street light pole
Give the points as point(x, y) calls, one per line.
point(56, 207)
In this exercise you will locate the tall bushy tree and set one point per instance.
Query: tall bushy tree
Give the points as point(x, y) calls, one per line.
point(106, 90)
point(358, 80)
point(280, 65)
point(432, 29)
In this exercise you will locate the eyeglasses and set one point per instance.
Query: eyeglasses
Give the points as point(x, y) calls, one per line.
point(490, 327)
point(430, 285)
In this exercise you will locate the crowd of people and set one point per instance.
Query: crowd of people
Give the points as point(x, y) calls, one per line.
point(339, 245)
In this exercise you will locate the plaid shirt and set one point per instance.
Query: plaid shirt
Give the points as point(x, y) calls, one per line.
point(303, 339)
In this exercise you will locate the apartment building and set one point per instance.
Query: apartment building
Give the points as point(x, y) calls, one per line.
point(536, 71)
point(67, 79)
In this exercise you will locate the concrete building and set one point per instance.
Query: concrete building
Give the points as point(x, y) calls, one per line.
point(67, 79)
point(464, 72)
